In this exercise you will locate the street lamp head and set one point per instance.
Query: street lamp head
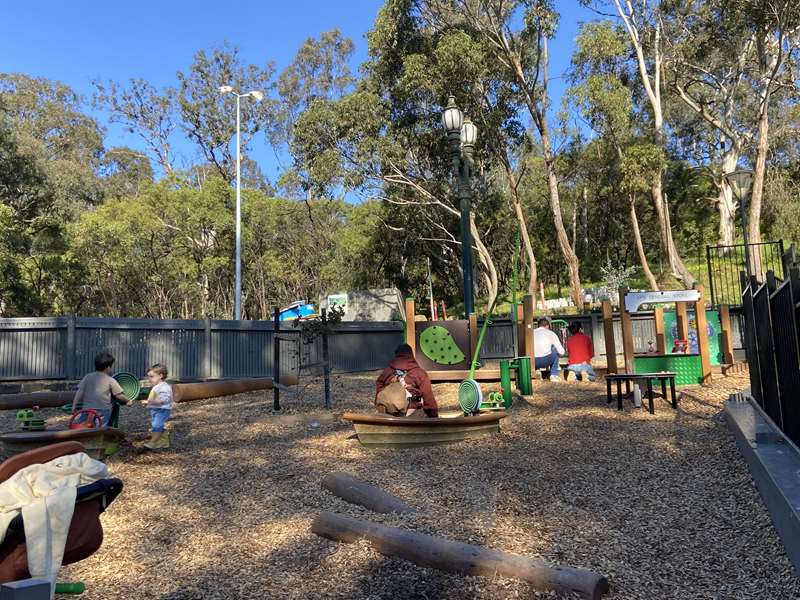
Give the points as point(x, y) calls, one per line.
point(225, 89)
point(257, 94)
point(452, 117)
point(740, 182)
point(469, 133)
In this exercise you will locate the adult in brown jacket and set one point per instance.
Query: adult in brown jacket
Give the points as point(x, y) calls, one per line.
point(416, 381)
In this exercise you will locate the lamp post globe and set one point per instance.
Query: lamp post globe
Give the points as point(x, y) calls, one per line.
point(469, 133)
point(740, 182)
point(452, 117)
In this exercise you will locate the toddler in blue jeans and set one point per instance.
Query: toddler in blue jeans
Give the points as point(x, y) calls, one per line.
point(159, 403)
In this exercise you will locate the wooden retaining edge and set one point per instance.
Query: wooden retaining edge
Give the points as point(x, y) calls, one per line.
point(429, 551)
point(352, 490)
point(183, 392)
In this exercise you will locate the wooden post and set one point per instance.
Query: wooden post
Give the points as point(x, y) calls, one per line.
point(527, 319)
point(473, 335)
point(627, 331)
point(520, 331)
point(411, 332)
point(608, 335)
point(702, 334)
point(682, 319)
point(661, 340)
point(727, 334)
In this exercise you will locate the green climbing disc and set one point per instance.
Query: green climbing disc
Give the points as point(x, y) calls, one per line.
point(129, 383)
point(439, 346)
point(469, 396)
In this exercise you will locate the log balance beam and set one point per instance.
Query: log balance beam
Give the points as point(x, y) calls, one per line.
point(183, 392)
point(456, 557)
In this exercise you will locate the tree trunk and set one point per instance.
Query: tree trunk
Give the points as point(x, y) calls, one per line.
point(540, 118)
point(637, 237)
point(561, 233)
point(652, 86)
point(726, 203)
point(674, 260)
point(485, 258)
point(526, 242)
point(456, 557)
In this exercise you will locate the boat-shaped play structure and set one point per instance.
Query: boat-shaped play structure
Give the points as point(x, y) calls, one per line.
point(384, 431)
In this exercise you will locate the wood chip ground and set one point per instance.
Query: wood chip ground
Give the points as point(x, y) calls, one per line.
point(663, 505)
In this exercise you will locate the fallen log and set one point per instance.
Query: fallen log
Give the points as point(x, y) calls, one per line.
point(429, 551)
point(40, 399)
point(350, 489)
point(183, 392)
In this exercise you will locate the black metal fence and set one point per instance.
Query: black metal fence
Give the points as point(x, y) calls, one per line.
point(726, 262)
point(773, 345)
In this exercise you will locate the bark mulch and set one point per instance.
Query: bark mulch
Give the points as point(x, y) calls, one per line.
point(662, 504)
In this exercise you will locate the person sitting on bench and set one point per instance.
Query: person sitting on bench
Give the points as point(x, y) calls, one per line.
point(404, 388)
point(581, 352)
point(546, 348)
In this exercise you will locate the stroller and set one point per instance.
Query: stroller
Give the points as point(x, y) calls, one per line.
point(85, 534)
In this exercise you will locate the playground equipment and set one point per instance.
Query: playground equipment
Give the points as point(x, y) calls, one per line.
point(689, 367)
point(447, 352)
point(28, 420)
point(382, 431)
point(469, 392)
point(85, 535)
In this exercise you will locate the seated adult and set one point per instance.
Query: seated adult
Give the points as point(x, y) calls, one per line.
point(581, 352)
point(546, 349)
point(404, 388)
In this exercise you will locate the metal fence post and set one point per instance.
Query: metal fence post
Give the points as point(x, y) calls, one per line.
point(69, 350)
point(206, 370)
point(276, 360)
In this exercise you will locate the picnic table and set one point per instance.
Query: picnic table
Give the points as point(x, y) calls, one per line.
point(664, 378)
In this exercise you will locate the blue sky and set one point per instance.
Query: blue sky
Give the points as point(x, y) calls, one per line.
point(84, 40)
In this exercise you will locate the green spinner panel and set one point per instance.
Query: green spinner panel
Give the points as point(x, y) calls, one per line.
point(687, 367)
point(439, 346)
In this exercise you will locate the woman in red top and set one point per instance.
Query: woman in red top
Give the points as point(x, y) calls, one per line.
point(581, 351)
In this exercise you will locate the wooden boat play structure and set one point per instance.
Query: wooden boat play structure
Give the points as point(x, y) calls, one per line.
point(382, 431)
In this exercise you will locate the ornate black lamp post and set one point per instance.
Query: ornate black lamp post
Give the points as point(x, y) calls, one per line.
point(740, 182)
point(462, 134)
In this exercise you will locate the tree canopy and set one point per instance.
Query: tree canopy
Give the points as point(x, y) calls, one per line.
point(624, 175)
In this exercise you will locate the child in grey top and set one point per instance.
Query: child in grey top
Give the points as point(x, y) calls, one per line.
point(97, 389)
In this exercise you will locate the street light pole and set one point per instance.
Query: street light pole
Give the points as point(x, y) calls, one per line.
point(237, 302)
point(462, 134)
point(237, 293)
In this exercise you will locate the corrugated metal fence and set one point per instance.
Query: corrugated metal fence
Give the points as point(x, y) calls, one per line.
point(64, 347)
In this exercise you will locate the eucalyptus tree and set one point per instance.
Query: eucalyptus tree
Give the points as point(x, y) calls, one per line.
point(600, 74)
point(642, 21)
point(516, 34)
